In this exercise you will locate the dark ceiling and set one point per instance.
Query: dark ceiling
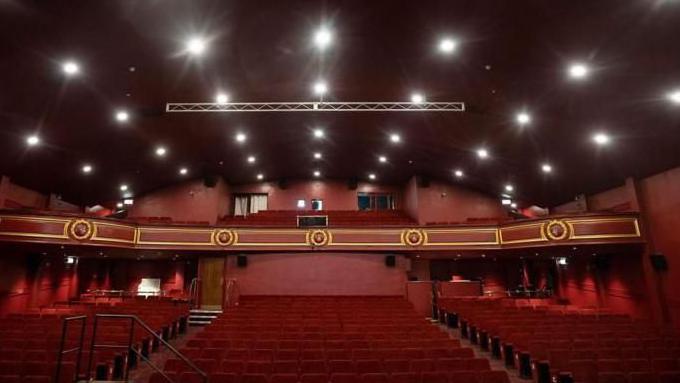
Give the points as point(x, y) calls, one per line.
point(512, 55)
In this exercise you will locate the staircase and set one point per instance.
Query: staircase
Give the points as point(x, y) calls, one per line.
point(202, 317)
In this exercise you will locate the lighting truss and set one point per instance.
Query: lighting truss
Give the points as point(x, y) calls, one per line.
point(178, 107)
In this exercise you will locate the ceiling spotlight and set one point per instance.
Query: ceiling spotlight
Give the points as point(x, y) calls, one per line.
point(161, 151)
point(71, 68)
point(509, 188)
point(417, 98)
point(222, 98)
point(371, 176)
point(447, 45)
point(119, 205)
point(320, 88)
point(260, 176)
point(251, 159)
point(32, 140)
point(323, 38)
point(183, 171)
point(546, 168)
point(674, 97)
point(122, 116)
point(240, 137)
point(318, 133)
point(601, 138)
point(87, 169)
point(482, 153)
point(123, 187)
point(513, 205)
point(458, 173)
point(523, 118)
point(317, 173)
point(395, 138)
point(382, 159)
point(196, 46)
point(578, 71)
point(317, 155)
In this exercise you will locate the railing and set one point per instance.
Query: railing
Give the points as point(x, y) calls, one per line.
point(231, 294)
point(134, 320)
point(193, 292)
point(79, 349)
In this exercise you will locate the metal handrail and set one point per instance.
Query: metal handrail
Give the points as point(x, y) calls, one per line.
point(62, 352)
point(229, 289)
point(193, 292)
point(135, 320)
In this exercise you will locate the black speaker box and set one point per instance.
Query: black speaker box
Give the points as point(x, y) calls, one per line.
point(283, 184)
point(352, 184)
point(210, 181)
point(602, 262)
point(390, 261)
point(659, 262)
point(241, 261)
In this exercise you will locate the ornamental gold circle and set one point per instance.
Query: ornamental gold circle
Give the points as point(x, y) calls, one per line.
point(413, 237)
point(224, 237)
point(80, 229)
point(556, 230)
point(318, 237)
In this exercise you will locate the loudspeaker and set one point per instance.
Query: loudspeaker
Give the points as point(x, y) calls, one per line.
point(659, 262)
point(210, 181)
point(283, 184)
point(390, 261)
point(352, 184)
point(241, 261)
point(423, 182)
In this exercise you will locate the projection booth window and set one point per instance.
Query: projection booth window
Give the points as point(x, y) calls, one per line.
point(251, 203)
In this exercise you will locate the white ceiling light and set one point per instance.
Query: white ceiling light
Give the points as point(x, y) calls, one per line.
point(382, 159)
point(394, 137)
point(183, 171)
point(317, 155)
point(119, 205)
point(222, 98)
point(546, 168)
point(482, 153)
point(674, 97)
point(578, 71)
point(71, 68)
point(196, 46)
point(458, 173)
point(32, 140)
point(513, 205)
point(447, 45)
point(509, 188)
point(523, 118)
point(320, 88)
point(87, 169)
point(318, 133)
point(371, 176)
point(260, 176)
point(123, 187)
point(323, 38)
point(251, 159)
point(417, 98)
point(122, 116)
point(317, 173)
point(601, 138)
point(240, 137)
point(161, 151)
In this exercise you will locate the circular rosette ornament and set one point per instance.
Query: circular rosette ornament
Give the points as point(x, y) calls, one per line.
point(318, 237)
point(80, 229)
point(413, 237)
point(556, 230)
point(224, 237)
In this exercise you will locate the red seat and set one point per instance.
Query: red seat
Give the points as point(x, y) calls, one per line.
point(285, 367)
point(609, 365)
point(404, 377)
point(343, 378)
point(478, 364)
point(36, 379)
point(394, 365)
point(232, 366)
point(314, 378)
point(642, 377)
point(191, 377)
point(258, 367)
point(220, 377)
point(463, 377)
point(374, 378)
point(583, 371)
point(494, 377)
point(450, 364)
point(253, 378)
point(636, 365)
point(611, 377)
point(284, 378)
point(369, 366)
point(664, 364)
point(10, 379)
point(421, 365)
point(341, 367)
point(434, 377)
point(669, 377)
point(206, 365)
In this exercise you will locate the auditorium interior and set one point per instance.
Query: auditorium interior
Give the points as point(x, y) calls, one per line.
point(339, 191)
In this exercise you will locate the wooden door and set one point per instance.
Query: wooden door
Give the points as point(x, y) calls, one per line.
point(212, 278)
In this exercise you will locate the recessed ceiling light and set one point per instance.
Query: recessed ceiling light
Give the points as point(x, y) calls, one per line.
point(122, 116)
point(513, 205)
point(318, 133)
point(251, 159)
point(123, 187)
point(546, 168)
point(371, 176)
point(32, 140)
point(161, 151)
point(183, 171)
point(196, 46)
point(417, 98)
point(458, 173)
point(71, 68)
point(509, 188)
point(222, 98)
point(240, 137)
point(382, 159)
point(674, 97)
point(260, 176)
point(394, 137)
point(447, 45)
point(523, 118)
point(601, 138)
point(87, 169)
point(578, 71)
point(317, 155)
point(317, 173)
point(119, 205)
point(320, 88)
point(482, 153)
point(323, 38)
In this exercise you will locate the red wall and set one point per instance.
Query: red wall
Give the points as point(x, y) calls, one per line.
point(318, 274)
point(12, 195)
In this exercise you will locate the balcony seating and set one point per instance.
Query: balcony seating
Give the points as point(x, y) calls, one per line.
point(594, 346)
point(29, 341)
point(330, 339)
point(336, 218)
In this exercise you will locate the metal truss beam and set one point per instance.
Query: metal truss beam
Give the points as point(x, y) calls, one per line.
point(178, 107)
